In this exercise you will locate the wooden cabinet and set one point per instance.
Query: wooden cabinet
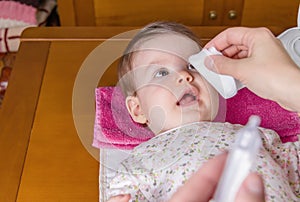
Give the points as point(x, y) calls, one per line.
point(222, 12)
point(139, 13)
point(189, 12)
point(270, 12)
point(252, 13)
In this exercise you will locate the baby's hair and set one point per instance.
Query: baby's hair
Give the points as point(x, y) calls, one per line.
point(150, 30)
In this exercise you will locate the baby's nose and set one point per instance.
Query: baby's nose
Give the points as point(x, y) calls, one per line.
point(184, 76)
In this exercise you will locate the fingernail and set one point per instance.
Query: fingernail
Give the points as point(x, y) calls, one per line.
point(255, 184)
point(120, 196)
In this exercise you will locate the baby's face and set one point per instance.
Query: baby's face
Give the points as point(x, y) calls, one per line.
point(170, 92)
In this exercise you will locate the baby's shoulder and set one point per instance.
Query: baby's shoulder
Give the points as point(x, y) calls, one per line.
point(189, 133)
point(205, 126)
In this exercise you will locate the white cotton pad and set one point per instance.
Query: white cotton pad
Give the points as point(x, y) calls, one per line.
point(226, 85)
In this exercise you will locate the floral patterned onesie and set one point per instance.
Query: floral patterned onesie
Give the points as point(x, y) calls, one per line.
point(156, 168)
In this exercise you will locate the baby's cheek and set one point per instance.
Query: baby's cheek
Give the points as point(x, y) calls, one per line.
point(157, 119)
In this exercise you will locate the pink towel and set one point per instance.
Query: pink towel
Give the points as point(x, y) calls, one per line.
point(114, 127)
point(273, 116)
point(113, 124)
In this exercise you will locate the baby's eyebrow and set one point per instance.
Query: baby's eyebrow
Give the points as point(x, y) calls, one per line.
point(150, 68)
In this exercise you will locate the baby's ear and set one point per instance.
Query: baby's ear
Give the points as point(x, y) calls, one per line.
point(135, 110)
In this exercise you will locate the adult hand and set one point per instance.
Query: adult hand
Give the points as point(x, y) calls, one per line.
point(202, 185)
point(257, 58)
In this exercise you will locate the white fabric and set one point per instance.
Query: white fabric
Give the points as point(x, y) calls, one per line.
point(159, 166)
point(110, 161)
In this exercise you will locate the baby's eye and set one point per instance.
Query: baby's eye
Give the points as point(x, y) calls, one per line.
point(191, 67)
point(161, 73)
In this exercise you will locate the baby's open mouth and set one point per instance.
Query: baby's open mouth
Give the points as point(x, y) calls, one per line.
point(186, 99)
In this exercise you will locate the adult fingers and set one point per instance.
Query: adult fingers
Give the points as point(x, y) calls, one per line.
point(238, 36)
point(120, 198)
point(252, 189)
point(224, 65)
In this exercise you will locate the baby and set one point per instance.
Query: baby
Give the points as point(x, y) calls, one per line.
point(170, 97)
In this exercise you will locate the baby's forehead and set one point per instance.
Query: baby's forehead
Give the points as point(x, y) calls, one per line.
point(158, 55)
point(171, 43)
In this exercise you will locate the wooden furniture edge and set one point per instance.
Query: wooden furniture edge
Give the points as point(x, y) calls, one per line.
point(17, 116)
point(105, 32)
